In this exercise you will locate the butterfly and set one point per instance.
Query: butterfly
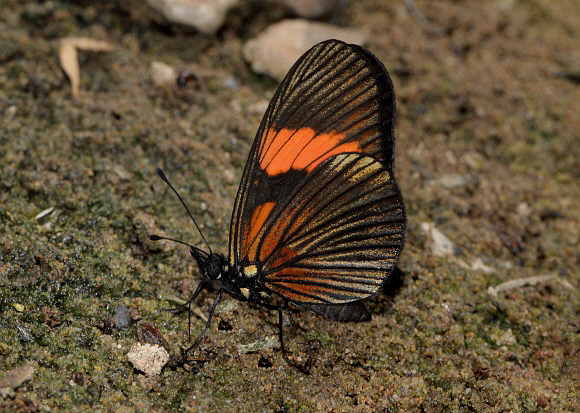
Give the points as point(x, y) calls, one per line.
point(318, 219)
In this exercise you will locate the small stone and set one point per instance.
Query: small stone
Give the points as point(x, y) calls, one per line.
point(162, 74)
point(310, 8)
point(440, 244)
point(205, 15)
point(266, 343)
point(506, 338)
point(276, 49)
point(11, 111)
point(121, 172)
point(542, 402)
point(122, 317)
point(18, 307)
point(450, 181)
point(230, 82)
point(523, 209)
point(229, 176)
point(17, 377)
point(148, 358)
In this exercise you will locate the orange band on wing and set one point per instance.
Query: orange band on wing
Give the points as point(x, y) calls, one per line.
point(300, 149)
point(259, 217)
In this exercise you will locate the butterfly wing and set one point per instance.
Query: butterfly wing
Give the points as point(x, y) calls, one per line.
point(318, 214)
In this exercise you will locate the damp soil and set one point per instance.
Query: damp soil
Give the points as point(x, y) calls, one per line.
point(487, 150)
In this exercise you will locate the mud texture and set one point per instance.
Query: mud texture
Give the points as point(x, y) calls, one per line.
point(487, 149)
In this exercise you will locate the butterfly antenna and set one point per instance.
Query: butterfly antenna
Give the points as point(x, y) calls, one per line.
point(162, 176)
point(154, 237)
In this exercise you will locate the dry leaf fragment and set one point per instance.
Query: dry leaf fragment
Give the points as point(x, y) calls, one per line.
point(522, 282)
point(69, 59)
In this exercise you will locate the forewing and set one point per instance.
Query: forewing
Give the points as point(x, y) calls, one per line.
point(337, 98)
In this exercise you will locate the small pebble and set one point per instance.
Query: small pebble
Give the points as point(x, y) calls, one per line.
point(310, 8)
point(162, 74)
point(266, 343)
point(148, 358)
point(440, 244)
point(18, 307)
point(17, 377)
point(122, 317)
point(207, 16)
point(277, 48)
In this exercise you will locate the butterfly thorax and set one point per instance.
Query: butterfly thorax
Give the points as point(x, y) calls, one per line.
point(245, 288)
point(214, 267)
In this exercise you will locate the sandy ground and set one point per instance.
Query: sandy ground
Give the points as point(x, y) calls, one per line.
point(487, 149)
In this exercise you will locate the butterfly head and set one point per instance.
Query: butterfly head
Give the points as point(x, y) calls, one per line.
point(211, 265)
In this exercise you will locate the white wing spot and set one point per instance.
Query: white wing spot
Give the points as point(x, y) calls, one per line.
point(250, 271)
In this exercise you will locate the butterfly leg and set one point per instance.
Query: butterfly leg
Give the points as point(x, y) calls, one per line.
point(187, 307)
point(303, 368)
point(209, 318)
point(294, 323)
point(179, 308)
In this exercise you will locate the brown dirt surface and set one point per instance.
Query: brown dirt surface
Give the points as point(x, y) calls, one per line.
point(487, 149)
